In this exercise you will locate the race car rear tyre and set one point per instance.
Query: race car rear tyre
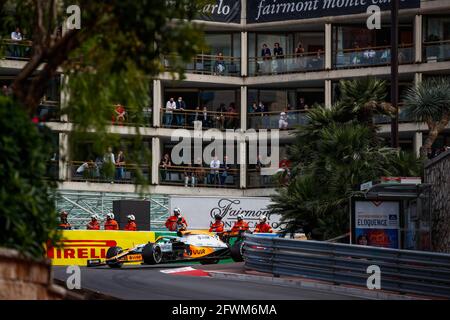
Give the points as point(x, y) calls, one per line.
point(151, 254)
point(209, 261)
point(113, 251)
point(236, 251)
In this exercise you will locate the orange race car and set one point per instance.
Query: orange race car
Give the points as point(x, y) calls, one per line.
point(205, 247)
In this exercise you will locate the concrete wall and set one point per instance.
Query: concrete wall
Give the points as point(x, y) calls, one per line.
point(437, 173)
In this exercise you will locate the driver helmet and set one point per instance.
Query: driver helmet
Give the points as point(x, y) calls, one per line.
point(262, 218)
point(218, 217)
point(63, 214)
point(131, 217)
point(110, 215)
point(240, 217)
point(177, 211)
point(94, 217)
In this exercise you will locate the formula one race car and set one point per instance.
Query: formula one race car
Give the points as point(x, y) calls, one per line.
point(205, 247)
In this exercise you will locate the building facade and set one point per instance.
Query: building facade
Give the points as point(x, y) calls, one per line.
point(265, 58)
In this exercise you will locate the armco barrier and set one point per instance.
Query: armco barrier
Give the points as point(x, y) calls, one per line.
point(414, 272)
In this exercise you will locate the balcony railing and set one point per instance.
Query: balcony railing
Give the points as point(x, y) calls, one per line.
point(212, 65)
point(48, 111)
point(192, 118)
point(436, 51)
point(99, 172)
point(257, 180)
point(402, 117)
point(371, 56)
point(305, 62)
point(198, 176)
point(15, 50)
point(275, 120)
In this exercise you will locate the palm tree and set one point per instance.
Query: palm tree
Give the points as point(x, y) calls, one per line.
point(430, 102)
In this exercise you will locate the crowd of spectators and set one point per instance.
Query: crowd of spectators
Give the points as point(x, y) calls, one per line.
point(377, 55)
point(178, 114)
point(108, 167)
point(199, 173)
point(275, 61)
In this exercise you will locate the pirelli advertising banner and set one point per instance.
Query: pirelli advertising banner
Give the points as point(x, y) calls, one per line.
point(259, 11)
point(200, 211)
point(376, 223)
point(80, 245)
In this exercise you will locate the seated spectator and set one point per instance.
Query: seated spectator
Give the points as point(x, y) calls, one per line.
point(317, 60)
point(87, 170)
point(283, 122)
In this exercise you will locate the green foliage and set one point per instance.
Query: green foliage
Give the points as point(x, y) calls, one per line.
point(27, 217)
point(429, 101)
point(332, 155)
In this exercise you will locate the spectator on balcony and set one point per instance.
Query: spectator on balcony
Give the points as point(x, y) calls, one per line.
point(189, 176)
point(219, 65)
point(279, 57)
point(253, 107)
point(109, 165)
point(119, 114)
point(232, 116)
point(200, 172)
point(283, 122)
point(267, 58)
point(264, 118)
point(317, 60)
point(385, 56)
point(302, 105)
point(355, 57)
point(168, 115)
point(6, 91)
point(86, 170)
point(299, 56)
point(369, 55)
point(214, 174)
point(16, 36)
point(165, 164)
point(220, 117)
point(180, 116)
point(204, 118)
point(224, 171)
point(120, 165)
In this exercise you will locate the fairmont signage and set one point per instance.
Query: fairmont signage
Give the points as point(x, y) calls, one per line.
point(280, 10)
point(200, 211)
point(222, 11)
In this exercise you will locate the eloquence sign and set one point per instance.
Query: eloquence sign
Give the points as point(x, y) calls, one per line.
point(200, 211)
point(279, 10)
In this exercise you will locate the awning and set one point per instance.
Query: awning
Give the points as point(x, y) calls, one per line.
point(393, 191)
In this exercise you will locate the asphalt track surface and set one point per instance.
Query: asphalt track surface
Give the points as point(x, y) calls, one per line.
point(148, 283)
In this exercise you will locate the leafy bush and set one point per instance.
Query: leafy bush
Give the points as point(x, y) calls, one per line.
point(28, 218)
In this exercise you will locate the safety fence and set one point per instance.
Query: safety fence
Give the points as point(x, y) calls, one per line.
point(404, 271)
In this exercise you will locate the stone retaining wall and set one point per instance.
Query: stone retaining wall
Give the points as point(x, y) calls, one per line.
point(437, 173)
point(24, 279)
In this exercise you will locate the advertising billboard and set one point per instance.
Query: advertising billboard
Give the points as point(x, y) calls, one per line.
point(376, 223)
point(200, 211)
point(228, 11)
point(280, 10)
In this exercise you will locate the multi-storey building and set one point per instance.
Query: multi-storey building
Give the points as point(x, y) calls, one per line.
point(322, 42)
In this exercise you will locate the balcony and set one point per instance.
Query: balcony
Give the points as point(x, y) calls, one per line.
point(199, 176)
point(277, 120)
point(15, 50)
point(217, 65)
point(436, 51)
point(190, 119)
point(305, 62)
point(90, 171)
point(371, 56)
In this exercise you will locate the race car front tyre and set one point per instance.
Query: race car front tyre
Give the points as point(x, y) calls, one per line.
point(209, 261)
point(236, 251)
point(113, 251)
point(151, 254)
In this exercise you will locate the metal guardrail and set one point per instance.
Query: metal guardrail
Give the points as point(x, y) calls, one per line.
point(404, 271)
